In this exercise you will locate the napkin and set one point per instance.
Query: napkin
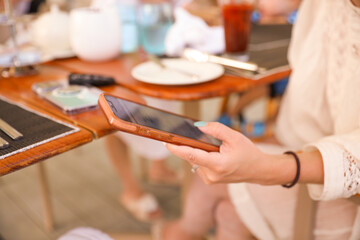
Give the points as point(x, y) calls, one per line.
point(191, 31)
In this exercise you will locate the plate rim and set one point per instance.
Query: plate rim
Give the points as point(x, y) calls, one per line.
point(140, 79)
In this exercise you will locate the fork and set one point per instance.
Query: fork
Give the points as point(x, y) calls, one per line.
point(3, 143)
point(9, 130)
point(157, 60)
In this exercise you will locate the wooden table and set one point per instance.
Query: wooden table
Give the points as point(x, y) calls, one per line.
point(94, 121)
point(43, 151)
point(120, 69)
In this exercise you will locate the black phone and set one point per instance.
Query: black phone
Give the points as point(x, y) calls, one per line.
point(154, 123)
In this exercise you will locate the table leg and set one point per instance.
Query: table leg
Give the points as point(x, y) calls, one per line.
point(304, 215)
point(143, 167)
point(192, 110)
point(45, 195)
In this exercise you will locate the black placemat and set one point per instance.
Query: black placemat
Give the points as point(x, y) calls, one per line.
point(36, 128)
point(269, 45)
point(268, 49)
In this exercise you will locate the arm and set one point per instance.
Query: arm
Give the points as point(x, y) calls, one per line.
point(239, 160)
point(276, 10)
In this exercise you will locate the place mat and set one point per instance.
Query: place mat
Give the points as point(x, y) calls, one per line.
point(264, 33)
point(268, 49)
point(269, 45)
point(36, 128)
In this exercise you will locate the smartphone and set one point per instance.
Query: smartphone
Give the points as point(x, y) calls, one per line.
point(71, 99)
point(146, 121)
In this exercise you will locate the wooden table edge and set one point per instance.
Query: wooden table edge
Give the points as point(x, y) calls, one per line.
point(42, 152)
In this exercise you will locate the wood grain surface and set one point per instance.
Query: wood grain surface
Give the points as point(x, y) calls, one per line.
point(43, 151)
point(94, 120)
point(120, 69)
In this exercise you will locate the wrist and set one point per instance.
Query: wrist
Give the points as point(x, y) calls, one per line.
point(278, 169)
point(281, 169)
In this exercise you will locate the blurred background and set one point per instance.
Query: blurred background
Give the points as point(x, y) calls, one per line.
point(84, 187)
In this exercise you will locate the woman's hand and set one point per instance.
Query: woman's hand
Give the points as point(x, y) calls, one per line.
point(238, 159)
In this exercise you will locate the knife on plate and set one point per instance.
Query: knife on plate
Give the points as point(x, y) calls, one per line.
point(198, 56)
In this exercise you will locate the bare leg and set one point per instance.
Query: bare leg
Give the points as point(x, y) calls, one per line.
point(120, 160)
point(159, 172)
point(228, 224)
point(199, 211)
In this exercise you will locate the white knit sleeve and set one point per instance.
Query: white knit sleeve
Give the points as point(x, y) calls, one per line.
point(341, 160)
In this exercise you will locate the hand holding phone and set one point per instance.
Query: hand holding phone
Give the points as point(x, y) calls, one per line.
point(142, 120)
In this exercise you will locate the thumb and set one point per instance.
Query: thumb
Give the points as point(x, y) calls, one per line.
point(219, 131)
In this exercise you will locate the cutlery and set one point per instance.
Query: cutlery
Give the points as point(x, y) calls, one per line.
point(157, 60)
point(9, 130)
point(3, 143)
point(198, 56)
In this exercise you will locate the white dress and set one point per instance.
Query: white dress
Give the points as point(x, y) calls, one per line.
point(321, 110)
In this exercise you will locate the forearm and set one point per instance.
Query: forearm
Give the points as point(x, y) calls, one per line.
point(281, 169)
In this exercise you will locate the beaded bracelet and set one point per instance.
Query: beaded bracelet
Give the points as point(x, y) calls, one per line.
point(296, 179)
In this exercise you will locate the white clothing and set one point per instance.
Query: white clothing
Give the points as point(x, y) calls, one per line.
point(85, 233)
point(193, 32)
point(320, 110)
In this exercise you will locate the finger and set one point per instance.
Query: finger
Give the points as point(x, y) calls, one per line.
point(207, 176)
point(219, 131)
point(193, 155)
point(201, 173)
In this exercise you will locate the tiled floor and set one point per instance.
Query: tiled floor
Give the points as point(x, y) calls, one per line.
point(84, 191)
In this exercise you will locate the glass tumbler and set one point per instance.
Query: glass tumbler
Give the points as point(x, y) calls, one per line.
point(129, 27)
point(237, 25)
point(154, 20)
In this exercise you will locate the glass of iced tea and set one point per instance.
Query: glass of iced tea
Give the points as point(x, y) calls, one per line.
point(237, 25)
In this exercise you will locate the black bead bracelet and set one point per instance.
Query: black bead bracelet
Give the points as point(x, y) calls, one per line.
point(297, 176)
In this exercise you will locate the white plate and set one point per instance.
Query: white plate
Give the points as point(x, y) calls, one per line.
point(62, 54)
point(151, 72)
point(25, 58)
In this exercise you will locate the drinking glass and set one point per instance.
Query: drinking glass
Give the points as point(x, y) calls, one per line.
point(154, 20)
point(237, 25)
point(16, 63)
point(129, 40)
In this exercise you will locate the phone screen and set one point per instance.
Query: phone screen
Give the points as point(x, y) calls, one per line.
point(157, 119)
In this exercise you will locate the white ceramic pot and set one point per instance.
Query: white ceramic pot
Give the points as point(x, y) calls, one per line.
point(95, 34)
point(50, 31)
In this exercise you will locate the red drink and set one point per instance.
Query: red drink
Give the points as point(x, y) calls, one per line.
point(237, 25)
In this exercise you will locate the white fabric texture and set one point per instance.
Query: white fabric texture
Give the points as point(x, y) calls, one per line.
point(85, 233)
point(145, 147)
point(320, 110)
point(191, 31)
point(325, 58)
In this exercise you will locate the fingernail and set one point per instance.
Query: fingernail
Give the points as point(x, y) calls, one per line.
point(200, 124)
